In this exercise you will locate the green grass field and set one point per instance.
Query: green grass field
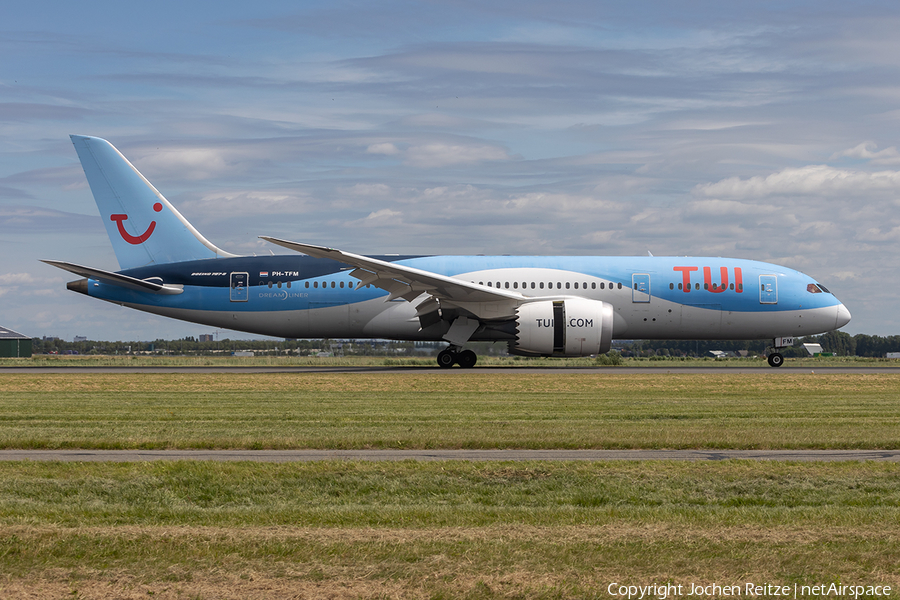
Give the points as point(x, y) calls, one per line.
point(352, 529)
point(440, 410)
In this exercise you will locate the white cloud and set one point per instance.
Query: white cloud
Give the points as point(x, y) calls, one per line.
point(368, 189)
point(437, 154)
point(8, 279)
point(383, 148)
point(385, 213)
point(814, 179)
point(219, 205)
point(875, 234)
point(723, 208)
point(187, 163)
point(12, 283)
point(867, 151)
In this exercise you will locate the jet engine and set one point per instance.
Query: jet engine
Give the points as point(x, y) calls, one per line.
point(569, 327)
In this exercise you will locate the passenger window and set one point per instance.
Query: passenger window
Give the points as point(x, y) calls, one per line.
point(567, 285)
point(289, 284)
point(532, 285)
point(620, 286)
point(515, 285)
point(506, 284)
point(558, 285)
point(542, 285)
point(672, 286)
point(270, 285)
point(307, 284)
point(696, 286)
point(593, 285)
point(315, 284)
point(332, 284)
point(576, 285)
point(279, 284)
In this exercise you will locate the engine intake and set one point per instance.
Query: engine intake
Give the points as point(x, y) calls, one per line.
point(568, 327)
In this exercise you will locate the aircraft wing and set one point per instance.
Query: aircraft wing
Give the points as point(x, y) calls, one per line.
point(132, 283)
point(410, 283)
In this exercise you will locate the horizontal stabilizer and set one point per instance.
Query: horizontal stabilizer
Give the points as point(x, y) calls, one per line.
point(111, 278)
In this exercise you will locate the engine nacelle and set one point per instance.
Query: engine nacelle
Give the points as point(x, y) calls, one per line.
point(569, 327)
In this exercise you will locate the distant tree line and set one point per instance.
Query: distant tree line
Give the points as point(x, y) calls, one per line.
point(837, 342)
point(302, 347)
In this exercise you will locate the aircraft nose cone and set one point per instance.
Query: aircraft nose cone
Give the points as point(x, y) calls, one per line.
point(843, 316)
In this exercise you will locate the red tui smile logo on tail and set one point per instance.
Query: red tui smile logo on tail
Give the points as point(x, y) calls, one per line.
point(127, 236)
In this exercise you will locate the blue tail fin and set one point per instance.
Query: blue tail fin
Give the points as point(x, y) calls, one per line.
point(143, 227)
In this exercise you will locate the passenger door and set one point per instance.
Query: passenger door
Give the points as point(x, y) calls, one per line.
point(768, 289)
point(640, 287)
point(239, 291)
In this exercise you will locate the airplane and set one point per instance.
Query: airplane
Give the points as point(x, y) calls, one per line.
point(564, 306)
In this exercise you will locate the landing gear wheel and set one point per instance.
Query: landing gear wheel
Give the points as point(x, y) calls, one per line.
point(776, 359)
point(446, 359)
point(466, 359)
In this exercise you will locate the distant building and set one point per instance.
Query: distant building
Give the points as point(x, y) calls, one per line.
point(206, 337)
point(80, 338)
point(814, 349)
point(14, 345)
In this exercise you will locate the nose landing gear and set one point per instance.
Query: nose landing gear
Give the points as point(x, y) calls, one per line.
point(456, 356)
point(776, 358)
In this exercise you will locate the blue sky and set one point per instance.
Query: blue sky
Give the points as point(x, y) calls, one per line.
point(753, 130)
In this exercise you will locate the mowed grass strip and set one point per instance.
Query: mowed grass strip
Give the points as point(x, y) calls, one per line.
point(450, 410)
point(440, 530)
point(448, 494)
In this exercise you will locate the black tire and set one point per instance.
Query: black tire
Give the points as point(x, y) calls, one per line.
point(466, 359)
point(446, 359)
point(776, 359)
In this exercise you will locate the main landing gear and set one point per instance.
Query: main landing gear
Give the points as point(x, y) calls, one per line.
point(776, 359)
point(456, 356)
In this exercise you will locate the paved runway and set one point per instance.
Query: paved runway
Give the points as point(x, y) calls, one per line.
point(759, 369)
point(281, 456)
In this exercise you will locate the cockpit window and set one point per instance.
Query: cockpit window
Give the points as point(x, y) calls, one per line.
point(816, 288)
point(823, 288)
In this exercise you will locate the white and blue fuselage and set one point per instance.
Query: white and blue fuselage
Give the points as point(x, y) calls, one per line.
point(653, 297)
